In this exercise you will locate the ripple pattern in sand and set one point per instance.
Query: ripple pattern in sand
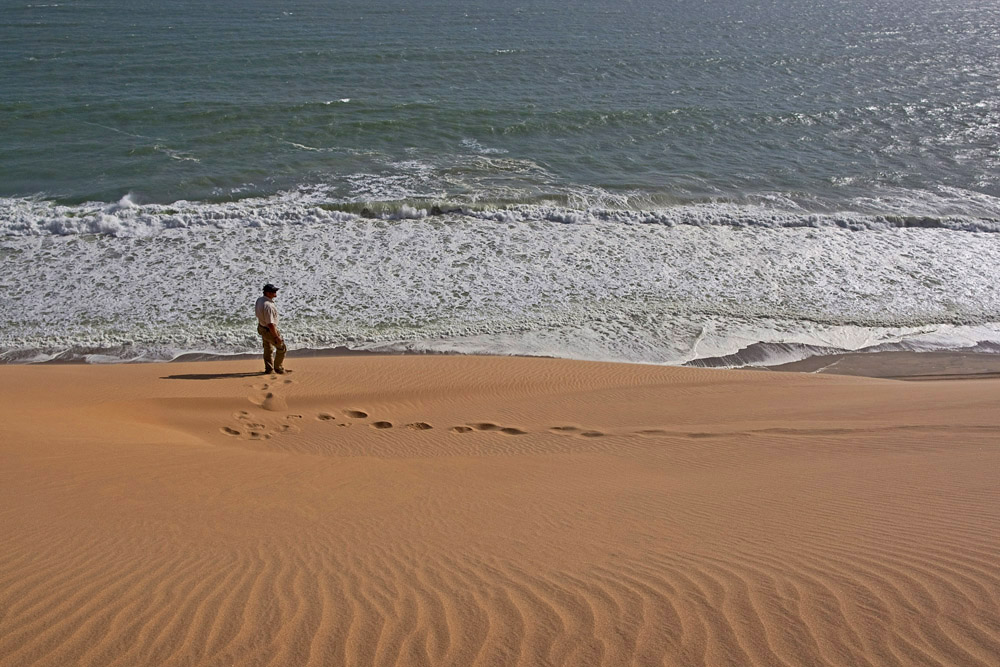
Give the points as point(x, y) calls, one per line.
point(331, 603)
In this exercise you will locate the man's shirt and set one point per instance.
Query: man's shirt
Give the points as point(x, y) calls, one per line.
point(266, 311)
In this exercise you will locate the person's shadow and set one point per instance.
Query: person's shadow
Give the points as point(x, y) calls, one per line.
point(210, 376)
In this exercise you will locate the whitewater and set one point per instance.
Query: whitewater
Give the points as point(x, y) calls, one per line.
point(710, 283)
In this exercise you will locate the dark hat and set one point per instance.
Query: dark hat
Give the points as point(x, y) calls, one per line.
point(270, 288)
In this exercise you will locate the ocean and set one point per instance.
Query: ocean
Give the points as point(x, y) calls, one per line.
point(714, 182)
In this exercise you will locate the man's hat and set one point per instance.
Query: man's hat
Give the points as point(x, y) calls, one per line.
point(270, 288)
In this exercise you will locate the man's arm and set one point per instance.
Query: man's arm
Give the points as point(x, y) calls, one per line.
point(274, 331)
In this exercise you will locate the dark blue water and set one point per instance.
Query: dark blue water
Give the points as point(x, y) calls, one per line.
point(195, 100)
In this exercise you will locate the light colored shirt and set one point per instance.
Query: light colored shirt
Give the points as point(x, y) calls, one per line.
point(266, 311)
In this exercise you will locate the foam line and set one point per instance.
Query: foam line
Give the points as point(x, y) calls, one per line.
point(35, 216)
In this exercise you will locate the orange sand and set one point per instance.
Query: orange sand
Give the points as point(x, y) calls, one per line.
point(495, 511)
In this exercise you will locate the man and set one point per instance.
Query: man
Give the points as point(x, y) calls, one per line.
point(267, 327)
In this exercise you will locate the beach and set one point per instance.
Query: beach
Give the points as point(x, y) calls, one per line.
point(644, 333)
point(462, 510)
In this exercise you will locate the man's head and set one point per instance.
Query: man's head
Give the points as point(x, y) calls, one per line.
point(270, 291)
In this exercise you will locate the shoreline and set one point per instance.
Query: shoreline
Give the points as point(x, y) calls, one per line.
point(892, 365)
point(900, 365)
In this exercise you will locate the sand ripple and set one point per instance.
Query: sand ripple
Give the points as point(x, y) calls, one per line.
point(291, 604)
point(616, 520)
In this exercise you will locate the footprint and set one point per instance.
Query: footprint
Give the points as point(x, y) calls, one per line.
point(461, 429)
point(288, 428)
point(382, 425)
point(485, 426)
point(286, 381)
point(325, 416)
point(653, 431)
point(513, 431)
point(355, 414)
point(591, 434)
point(229, 431)
point(564, 429)
point(274, 403)
point(293, 416)
point(419, 426)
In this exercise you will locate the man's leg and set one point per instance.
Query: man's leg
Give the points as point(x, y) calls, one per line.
point(279, 356)
point(265, 336)
point(268, 353)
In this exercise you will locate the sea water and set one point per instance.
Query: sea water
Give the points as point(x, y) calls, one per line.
point(665, 181)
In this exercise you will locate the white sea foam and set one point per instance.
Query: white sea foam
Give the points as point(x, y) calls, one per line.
point(32, 216)
point(125, 202)
point(36, 216)
point(409, 212)
point(134, 281)
point(174, 154)
point(307, 148)
point(477, 147)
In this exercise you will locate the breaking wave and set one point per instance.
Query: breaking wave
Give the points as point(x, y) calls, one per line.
point(36, 216)
point(583, 274)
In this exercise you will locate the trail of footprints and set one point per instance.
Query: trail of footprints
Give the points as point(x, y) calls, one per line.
point(249, 427)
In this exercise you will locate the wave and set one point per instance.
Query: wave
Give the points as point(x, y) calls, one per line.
point(35, 216)
point(579, 274)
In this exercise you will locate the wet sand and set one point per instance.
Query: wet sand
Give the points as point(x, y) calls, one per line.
point(902, 365)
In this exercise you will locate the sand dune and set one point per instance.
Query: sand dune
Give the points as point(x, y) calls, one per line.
point(474, 511)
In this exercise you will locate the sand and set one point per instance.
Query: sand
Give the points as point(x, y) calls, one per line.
point(495, 511)
point(902, 365)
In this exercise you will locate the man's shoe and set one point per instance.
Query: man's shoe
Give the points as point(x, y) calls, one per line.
point(279, 371)
point(268, 371)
